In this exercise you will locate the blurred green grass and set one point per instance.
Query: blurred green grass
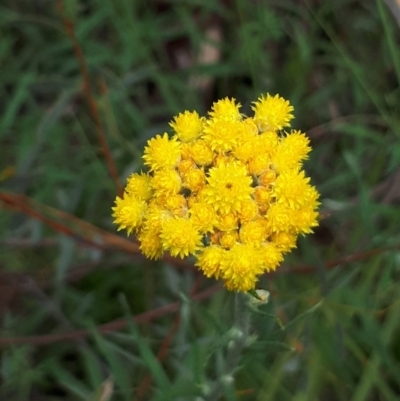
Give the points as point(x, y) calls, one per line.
point(337, 62)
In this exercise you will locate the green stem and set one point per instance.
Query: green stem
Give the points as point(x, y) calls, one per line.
point(239, 333)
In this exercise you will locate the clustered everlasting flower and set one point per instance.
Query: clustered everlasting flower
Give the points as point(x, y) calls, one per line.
point(226, 188)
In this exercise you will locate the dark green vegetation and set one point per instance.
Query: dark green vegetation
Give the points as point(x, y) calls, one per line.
point(339, 64)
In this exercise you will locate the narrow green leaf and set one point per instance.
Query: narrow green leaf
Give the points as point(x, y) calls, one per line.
point(146, 353)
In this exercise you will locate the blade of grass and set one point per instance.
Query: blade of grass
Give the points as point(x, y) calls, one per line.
point(118, 367)
point(145, 351)
point(391, 41)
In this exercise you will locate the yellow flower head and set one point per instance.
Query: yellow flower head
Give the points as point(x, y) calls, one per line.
point(187, 125)
point(228, 185)
point(254, 232)
point(195, 180)
point(280, 217)
point(250, 127)
point(267, 178)
point(166, 182)
point(209, 260)
point(272, 113)
point(267, 142)
point(248, 210)
point(176, 204)
point(245, 147)
point(128, 212)
point(228, 239)
point(271, 256)
point(222, 159)
point(290, 187)
point(201, 153)
point(202, 216)
point(185, 151)
point(291, 151)
point(284, 240)
point(185, 166)
point(150, 243)
point(262, 195)
point(226, 221)
point(226, 109)
point(179, 237)
point(162, 152)
point(222, 135)
point(227, 189)
point(259, 164)
point(240, 267)
point(305, 219)
point(156, 216)
point(138, 185)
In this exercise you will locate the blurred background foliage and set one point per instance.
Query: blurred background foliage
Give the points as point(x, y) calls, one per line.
point(84, 84)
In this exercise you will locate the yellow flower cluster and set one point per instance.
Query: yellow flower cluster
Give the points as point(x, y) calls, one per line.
point(227, 189)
